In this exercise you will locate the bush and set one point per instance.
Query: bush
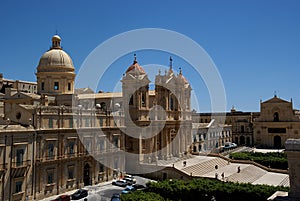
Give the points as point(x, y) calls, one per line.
point(140, 195)
point(273, 160)
point(206, 189)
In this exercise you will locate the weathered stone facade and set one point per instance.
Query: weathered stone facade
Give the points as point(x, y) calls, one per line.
point(278, 121)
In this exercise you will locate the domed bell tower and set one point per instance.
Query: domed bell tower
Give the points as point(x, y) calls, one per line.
point(135, 85)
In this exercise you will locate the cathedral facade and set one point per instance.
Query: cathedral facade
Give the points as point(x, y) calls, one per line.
point(158, 122)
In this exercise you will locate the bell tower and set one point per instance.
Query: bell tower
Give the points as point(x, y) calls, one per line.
point(135, 88)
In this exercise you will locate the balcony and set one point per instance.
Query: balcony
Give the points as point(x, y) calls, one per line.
point(18, 196)
point(20, 164)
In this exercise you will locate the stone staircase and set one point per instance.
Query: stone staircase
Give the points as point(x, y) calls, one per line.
point(285, 182)
point(248, 174)
point(173, 160)
point(205, 167)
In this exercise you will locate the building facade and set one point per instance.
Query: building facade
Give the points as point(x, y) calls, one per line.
point(164, 112)
point(56, 138)
point(241, 124)
point(210, 137)
point(49, 145)
point(278, 121)
point(19, 85)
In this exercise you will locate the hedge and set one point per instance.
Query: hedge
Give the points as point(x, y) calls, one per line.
point(273, 160)
point(204, 189)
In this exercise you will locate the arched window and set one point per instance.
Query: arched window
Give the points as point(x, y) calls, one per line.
point(276, 116)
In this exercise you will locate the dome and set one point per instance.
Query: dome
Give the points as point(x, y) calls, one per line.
point(56, 37)
point(135, 68)
point(55, 59)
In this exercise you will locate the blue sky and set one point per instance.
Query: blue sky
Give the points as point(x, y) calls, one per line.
point(254, 44)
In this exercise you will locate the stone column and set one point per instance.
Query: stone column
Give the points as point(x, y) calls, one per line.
point(292, 147)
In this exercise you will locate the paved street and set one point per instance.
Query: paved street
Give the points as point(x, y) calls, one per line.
point(102, 191)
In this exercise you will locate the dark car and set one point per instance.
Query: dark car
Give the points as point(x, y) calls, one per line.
point(130, 181)
point(62, 198)
point(121, 182)
point(115, 197)
point(81, 193)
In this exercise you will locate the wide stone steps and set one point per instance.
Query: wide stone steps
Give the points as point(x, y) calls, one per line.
point(248, 174)
point(285, 182)
point(205, 167)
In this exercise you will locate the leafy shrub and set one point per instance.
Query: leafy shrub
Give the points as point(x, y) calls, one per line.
point(273, 160)
point(140, 195)
point(206, 189)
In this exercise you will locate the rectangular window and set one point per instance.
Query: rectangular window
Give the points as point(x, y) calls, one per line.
point(116, 142)
point(18, 186)
point(101, 167)
point(71, 123)
point(50, 151)
point(50, 123)
point(71, 148)
point(42, 86)
point(69, 86)
point(71, 172)
point(56, 86)
point(20, 154)
point(101, 122)
point(50, 177)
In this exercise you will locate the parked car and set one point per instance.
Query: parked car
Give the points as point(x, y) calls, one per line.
point(128, 189)
point(230, 145)
point(138, 186)
point(62, 198)
point(115, 197)
point(130, 179)
point(120, 182)
point(81, 193)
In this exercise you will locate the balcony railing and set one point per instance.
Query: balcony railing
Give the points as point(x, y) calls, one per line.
point(20, 164)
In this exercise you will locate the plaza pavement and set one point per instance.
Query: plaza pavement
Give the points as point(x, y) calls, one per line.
point(205, 166)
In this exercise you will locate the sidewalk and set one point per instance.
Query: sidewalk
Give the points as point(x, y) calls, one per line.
point(92, 189)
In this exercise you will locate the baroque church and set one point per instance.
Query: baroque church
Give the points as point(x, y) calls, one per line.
point(62, 138)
